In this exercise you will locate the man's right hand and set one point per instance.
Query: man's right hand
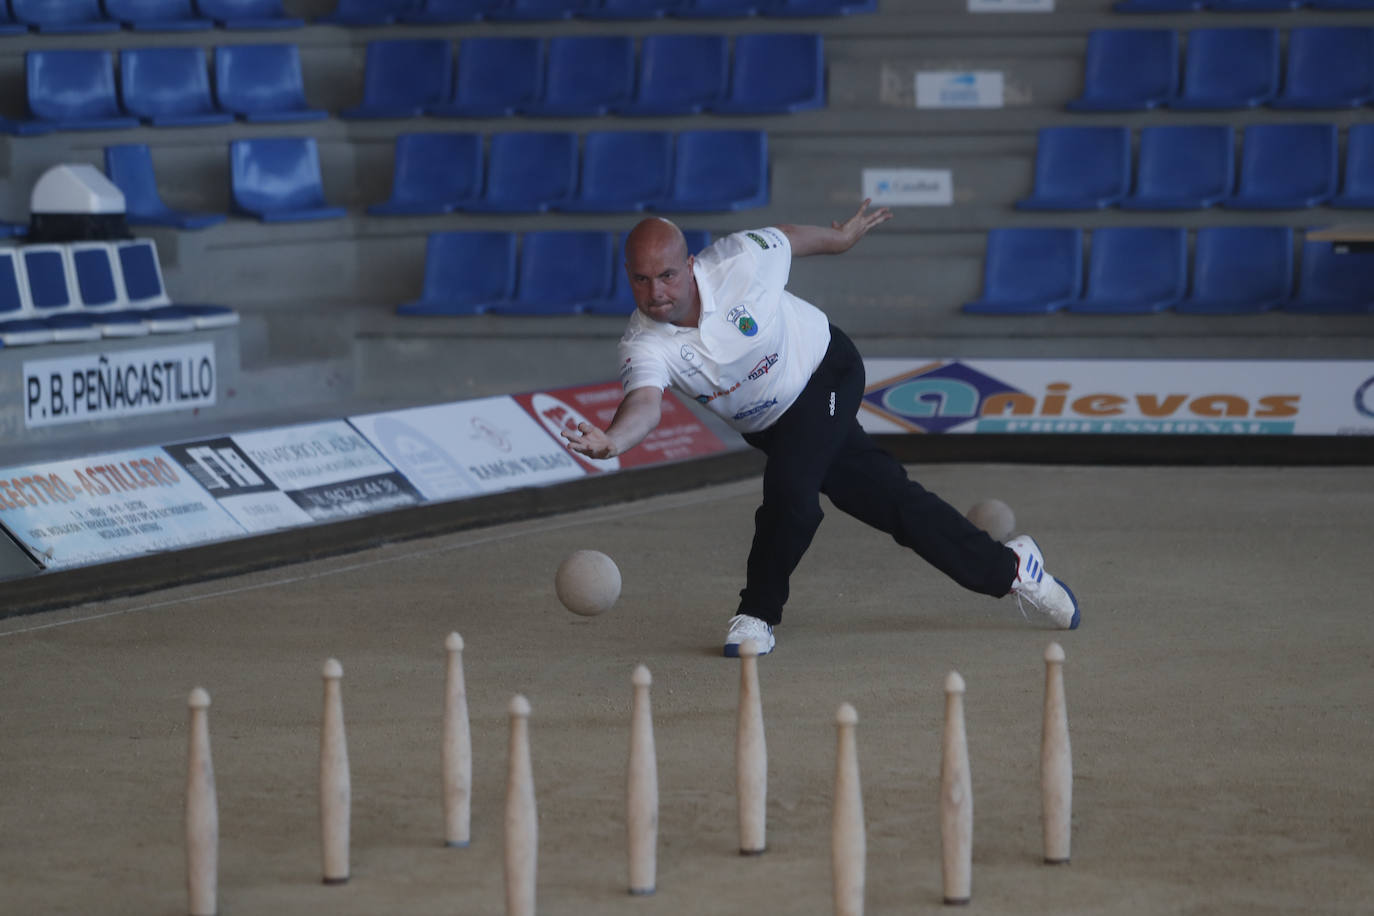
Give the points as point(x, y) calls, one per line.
point(590, 441)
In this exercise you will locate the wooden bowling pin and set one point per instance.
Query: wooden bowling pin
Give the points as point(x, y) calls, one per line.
point(641, 793)
point(847, 842)
point(456, 752)
point(1056, 761)
point(522, 824)
point(335, 788)
point(751, 756)
point(956, 798)
point(202, 812)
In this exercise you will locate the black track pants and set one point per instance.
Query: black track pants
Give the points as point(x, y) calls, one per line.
point(816, 447)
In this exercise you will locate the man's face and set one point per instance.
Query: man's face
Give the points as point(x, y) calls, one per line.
point(662, 282)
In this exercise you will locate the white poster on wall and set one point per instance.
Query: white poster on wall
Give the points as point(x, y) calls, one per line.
point(909, 187)
point(467, 448)
point(120, 383)
point(959, 89)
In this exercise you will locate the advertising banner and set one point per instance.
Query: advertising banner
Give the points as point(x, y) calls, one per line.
point(1154, 397)
point(90, 510)
point(909, 187)
point(679, 433)
point(468, 448)
point(121, 383)
point(959, 89)
point(295, 475)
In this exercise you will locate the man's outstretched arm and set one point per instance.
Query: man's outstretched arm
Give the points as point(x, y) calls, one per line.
point(839, 237)
point(636, 417)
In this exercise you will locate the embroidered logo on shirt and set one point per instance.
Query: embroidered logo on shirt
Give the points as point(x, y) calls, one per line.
point(757, 238)
point(752, 409)
point(768, 362)
point(739, 316)
point(687, 353)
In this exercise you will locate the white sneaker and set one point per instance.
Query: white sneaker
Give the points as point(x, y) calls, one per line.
point(744, 628)
point(1045, 593)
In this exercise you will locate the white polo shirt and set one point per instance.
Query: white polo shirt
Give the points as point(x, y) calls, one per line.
point(755, 346)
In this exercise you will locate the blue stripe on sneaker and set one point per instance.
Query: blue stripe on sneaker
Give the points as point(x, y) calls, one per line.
point(1073, 624)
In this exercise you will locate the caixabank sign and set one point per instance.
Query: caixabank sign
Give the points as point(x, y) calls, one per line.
point(1151, 397)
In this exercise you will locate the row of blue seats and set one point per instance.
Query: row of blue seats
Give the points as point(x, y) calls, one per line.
point(1238, 6)
point(89, 290)
point(67, 16)
point(1137, 69)
point(279, 179)
point(574, 76)
point(1282, 167)
point(588, 76)
point(1136, 270)
point(552, 273)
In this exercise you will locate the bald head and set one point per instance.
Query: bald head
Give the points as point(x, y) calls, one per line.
point(654, 238)
point(660, 272)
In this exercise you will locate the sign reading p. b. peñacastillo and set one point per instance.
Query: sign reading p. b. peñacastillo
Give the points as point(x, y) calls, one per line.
point(118, 383)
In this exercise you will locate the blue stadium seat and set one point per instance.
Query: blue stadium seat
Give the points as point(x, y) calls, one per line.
point(1240, 270)
point(169, 87)
point(586, 76)
point(775, 74)
point(13, 230)
point(1128, 70)
point(496, 76)
point(9, 27)
point(368, 12)
point(141, 273)
point(538, 10)
point(73, 90)
point(1333, 284)
point(1328, 68)
point(248, 14)
point(433, 173)
point(623, 171)
point(621, 300)
point(157, 15)
point(278, 179)
point(130, 167)
point(528, 172)
point(1183, 168)
point(717, 9)
point(1080, 168)
point(559, 270)
point(1134, 270)
point(1286, 167)
point(630, 9)
point(1030, 271)
point(1357, 193)
point(1342, 4)
point(63, 15)
point(19, 326)
point(465, 273)
point(679, 75)
point(100, 292)
point(1157, 6)
point(59, 298)
point(719, 170)
point(261, 83)
point(440, 11)
point(1229, 68)
point(805, 8)
point(404, 77)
